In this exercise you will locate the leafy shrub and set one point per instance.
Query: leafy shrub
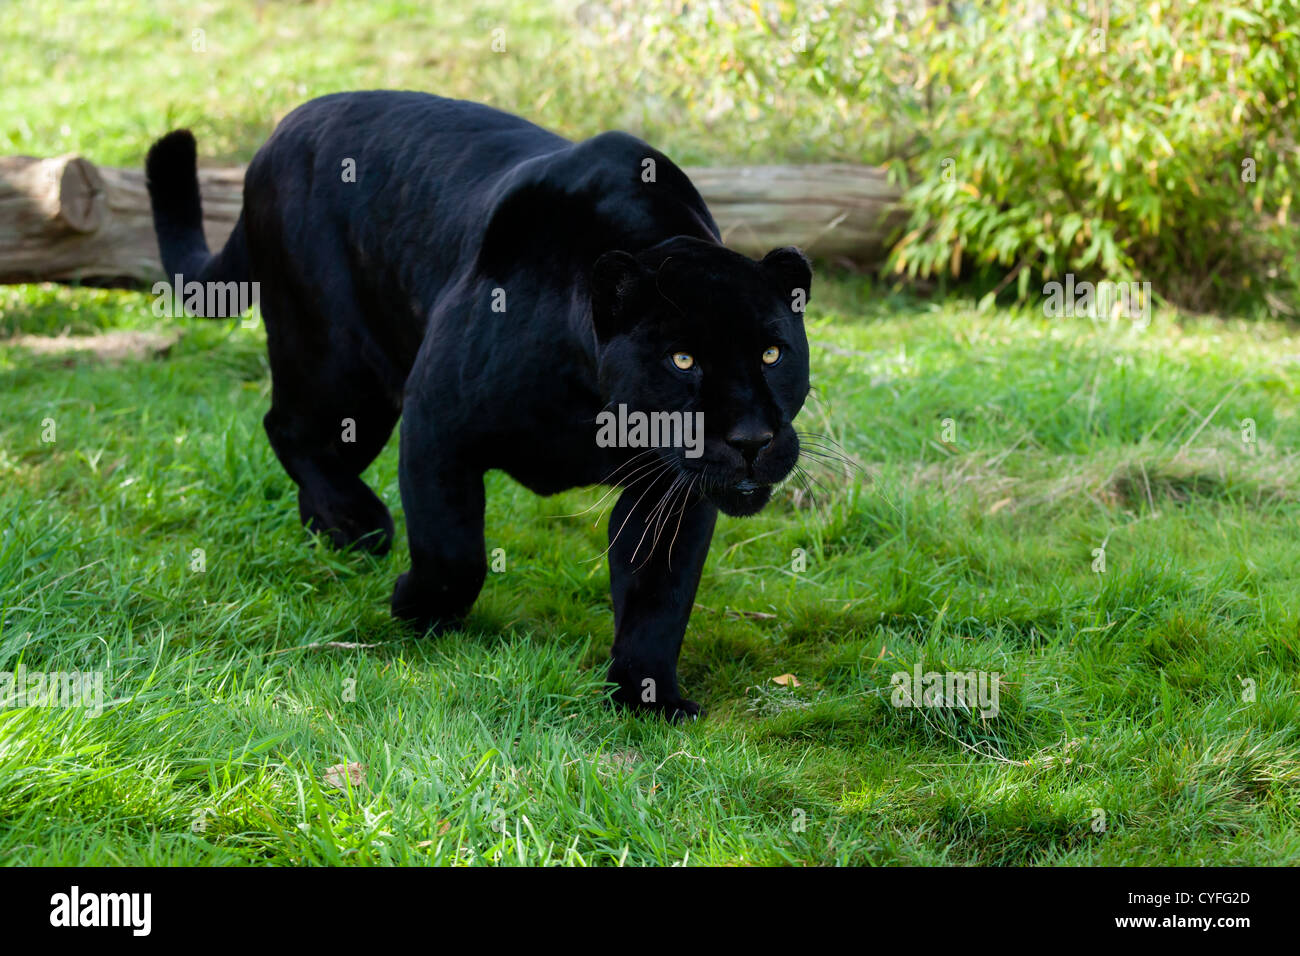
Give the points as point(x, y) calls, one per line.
point(1159, 144)
point(1124, 141)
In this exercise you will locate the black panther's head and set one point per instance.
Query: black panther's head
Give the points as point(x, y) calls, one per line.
point(690, 326)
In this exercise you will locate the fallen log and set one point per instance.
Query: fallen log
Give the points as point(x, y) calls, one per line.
point(831, 211)
point(65, 219)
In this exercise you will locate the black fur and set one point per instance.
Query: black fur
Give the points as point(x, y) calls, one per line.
point(173, 183)
point(378, 300)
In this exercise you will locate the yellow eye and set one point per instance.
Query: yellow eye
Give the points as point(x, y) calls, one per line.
point(771, 354)
point(683, 360)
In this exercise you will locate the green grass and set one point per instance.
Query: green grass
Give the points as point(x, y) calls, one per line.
point(967, 545)
point(104, 78)
point(1122, 690)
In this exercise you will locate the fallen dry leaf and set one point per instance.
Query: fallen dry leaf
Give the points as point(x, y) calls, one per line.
point(443, 827)
point(337, 775)
point(786, 680)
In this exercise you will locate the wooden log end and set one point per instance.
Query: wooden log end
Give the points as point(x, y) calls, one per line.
point(81, 195)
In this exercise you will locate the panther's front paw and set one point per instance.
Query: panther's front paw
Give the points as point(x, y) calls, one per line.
point(648, 695)
point(676, 711)
point(682, 711)
point(411, 604)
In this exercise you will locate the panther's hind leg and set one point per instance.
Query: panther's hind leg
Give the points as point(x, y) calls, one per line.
point(332, 412)
point(332, 498)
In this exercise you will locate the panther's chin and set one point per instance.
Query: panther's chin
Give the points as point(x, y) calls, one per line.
point(742, 499)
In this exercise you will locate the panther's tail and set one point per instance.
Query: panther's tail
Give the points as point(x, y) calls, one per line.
point(171, 172)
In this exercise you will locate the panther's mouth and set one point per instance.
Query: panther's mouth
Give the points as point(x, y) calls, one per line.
point(741, 499)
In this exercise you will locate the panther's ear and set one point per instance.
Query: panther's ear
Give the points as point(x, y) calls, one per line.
point(615, 281)
point(791, 273)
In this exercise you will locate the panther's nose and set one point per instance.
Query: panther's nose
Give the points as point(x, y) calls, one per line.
point(749, 440)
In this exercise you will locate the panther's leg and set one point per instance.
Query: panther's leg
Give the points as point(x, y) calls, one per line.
point(442, 498)
point(653, 597)
point(332, 498)
point(332, 412)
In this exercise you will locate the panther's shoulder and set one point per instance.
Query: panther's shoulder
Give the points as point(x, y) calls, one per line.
point(623, 168)
point(612, 191)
